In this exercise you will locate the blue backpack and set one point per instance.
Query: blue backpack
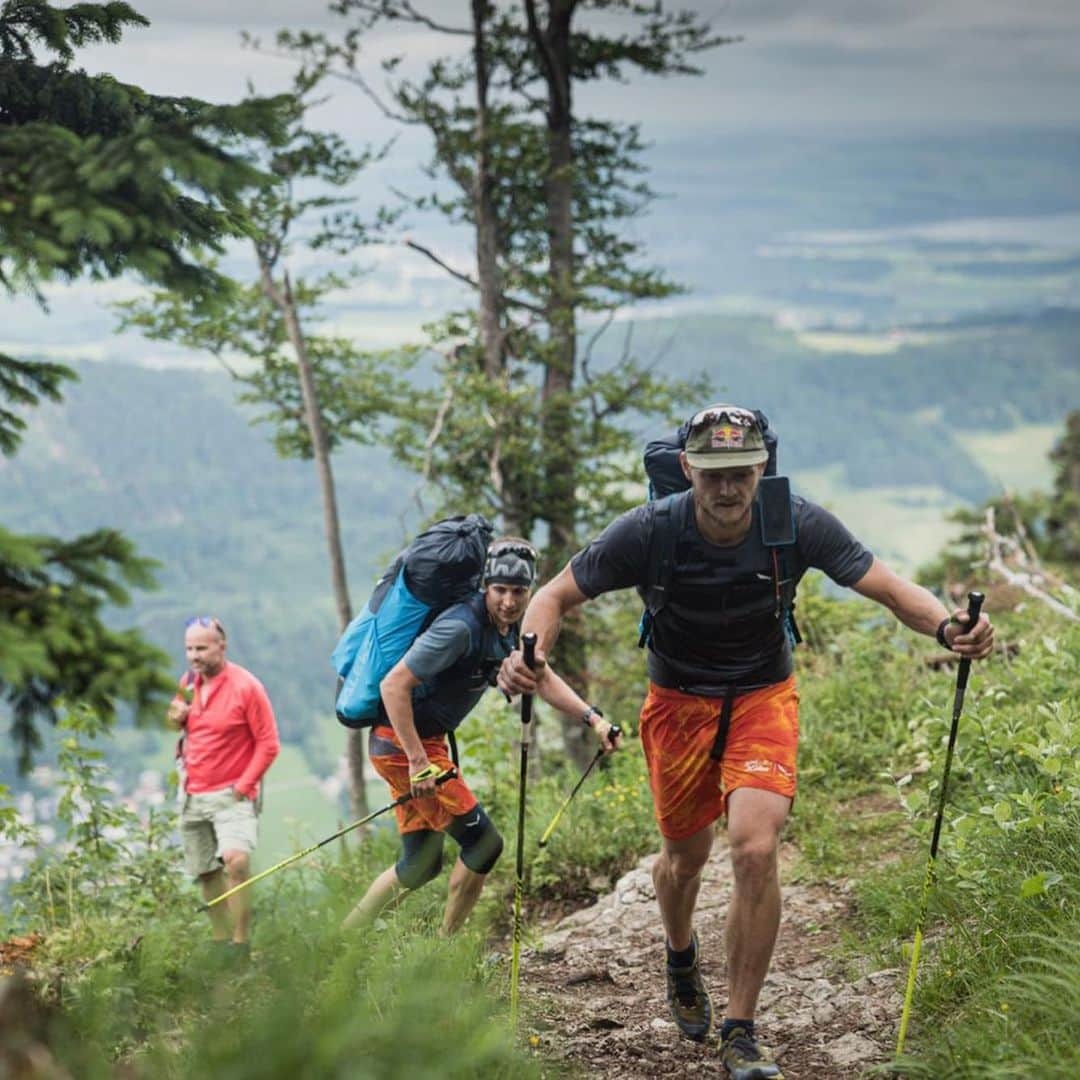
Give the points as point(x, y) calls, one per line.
point(441, 567)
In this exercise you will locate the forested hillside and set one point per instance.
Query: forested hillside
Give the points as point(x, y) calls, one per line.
point(169, 457)
point(889, 408)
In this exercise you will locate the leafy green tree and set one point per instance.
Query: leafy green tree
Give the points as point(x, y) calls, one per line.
point(97, 178)
point(317, 388)
point(1063, 518)
point(524, 423)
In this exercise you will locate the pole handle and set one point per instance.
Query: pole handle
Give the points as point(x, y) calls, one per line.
point(528, 647)
point(613, 733)
point(975, 603)
point(441, 779)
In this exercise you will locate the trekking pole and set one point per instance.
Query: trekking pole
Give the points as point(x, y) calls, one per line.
point(975, 602)
point(528, 644)
point(613, 734)
point(399, 801)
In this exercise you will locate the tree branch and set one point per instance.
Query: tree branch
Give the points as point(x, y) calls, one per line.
point(547, 61)
point(411, 15)
point(471, 282)
point(1021, 579)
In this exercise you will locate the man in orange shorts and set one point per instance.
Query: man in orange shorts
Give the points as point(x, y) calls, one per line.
point(425, 696)
point(720, 723)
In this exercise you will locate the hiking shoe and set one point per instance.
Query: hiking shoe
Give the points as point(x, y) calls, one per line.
point(744, 1059)
point(688, 999)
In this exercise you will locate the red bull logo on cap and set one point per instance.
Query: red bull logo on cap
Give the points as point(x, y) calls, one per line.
point(728, 437)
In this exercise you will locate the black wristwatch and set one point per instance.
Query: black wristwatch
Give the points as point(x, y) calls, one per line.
point(590, 712)
point(940, 635)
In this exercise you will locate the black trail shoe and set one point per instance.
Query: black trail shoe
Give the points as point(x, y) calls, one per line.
point(689, 1000)
point(744, 1060)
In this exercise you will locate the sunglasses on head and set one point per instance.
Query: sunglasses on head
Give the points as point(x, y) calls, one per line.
point(205, 620)
point(738, 417)
point(513, 547)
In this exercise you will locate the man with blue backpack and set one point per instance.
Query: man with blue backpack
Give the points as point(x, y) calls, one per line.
point(717, 564)
point(423, 698)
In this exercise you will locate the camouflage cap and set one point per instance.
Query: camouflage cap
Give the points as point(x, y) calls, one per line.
point(725, 437)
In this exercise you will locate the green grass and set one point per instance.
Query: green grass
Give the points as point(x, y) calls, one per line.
point(999, 977)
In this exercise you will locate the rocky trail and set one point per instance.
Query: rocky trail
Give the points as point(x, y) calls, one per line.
point(594, 986)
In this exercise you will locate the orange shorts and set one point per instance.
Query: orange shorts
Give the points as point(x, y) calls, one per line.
point(450, 799)
point(689, 788)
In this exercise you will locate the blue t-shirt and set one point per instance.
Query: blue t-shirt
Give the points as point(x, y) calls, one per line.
point(718, 626)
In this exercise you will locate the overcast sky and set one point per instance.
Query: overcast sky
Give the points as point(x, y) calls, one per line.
point(827, 64)
point(825, 68)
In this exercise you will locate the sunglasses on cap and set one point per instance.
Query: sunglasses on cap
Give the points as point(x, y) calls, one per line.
point(724, 414)
point(205, 620)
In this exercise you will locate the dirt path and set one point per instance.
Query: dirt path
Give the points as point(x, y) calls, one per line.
point(594, 986)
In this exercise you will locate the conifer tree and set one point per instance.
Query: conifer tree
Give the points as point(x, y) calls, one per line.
point(317, 388)
point(97, 178)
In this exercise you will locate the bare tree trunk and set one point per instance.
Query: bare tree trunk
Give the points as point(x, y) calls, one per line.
point(493, 333)
point(283, 299)
point(321, 452)
point(560, 496)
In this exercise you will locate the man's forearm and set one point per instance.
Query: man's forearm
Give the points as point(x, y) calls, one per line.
point(918, 609)
point(543, 619)
point(261, 760)
point(558, 693)
point(399, 710)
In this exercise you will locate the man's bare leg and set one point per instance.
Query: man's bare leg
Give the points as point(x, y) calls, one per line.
point(237, 871)
point(677, 878)
point(755, 818)
point(464, 891)
point(385, 890)
point(213, 885)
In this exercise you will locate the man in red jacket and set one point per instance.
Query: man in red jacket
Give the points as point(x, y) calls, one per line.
point(230, 738)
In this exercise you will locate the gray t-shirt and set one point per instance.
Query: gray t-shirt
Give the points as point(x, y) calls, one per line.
point(455, 658)
point(719, 625)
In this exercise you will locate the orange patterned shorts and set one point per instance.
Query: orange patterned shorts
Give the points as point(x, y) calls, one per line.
point(450, 799)
point(689, 788)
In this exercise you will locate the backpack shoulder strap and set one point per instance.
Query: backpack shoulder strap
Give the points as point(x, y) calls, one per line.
point(474, 609)
point(660, 560)
point(783, 578)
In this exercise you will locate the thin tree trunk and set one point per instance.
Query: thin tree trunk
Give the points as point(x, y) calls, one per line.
point(493, 336)
point(560, 495)
point(283, 298)
point(321, 452)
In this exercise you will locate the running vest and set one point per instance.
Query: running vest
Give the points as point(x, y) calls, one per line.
point(715, 616)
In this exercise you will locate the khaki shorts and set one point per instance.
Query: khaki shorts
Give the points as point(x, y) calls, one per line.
point(212, 823)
